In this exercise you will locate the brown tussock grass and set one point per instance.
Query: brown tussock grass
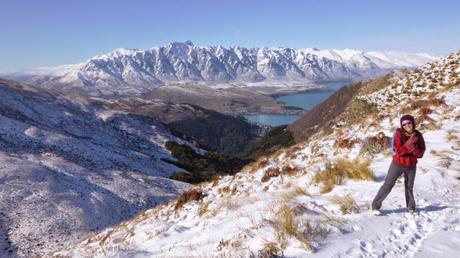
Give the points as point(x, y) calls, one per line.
point(306, 232)
point(291, 152)
point(188, 196)
point(204, 208)
point(336, 173)
point(227, 189)
point(270, 250)
point(254, 166)
point(345, 143)
point(333, 220)
point(271, 172)
point(347, 204)
point(300, 191)
point(289, 170)
point(451, 135)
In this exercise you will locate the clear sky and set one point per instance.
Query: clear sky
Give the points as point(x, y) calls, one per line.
point(52, 32)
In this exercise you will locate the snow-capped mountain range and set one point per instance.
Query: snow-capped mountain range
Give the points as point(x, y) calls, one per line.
point(132, 71)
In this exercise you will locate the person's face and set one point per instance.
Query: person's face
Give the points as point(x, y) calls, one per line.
point(408, 126)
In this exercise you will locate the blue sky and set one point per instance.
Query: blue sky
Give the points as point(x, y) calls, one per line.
point(52, 32)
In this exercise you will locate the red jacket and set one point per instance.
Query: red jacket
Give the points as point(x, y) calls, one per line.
point(405, 155)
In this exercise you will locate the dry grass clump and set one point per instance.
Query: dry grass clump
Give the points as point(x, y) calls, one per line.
point(278, 153)
point(204, 208)
point(374, 145)
point(228, 202)
point(451, 135)
point(290, 170)
point(188, 196)
point(300, 191)
point(227, 189)
point(271, 172)
point(306, 232)
point(430, 125)
point(359, 110)
point(336, 173)
point(270, 250)
point(292, 151)
point(445, 162)
point(436, 153)
point(227, 244)
point(345, 143)
point(333, 220)
point(425, 106)
point(259, 163)
point(448, 87)
point(347, 204)
point(215, 180)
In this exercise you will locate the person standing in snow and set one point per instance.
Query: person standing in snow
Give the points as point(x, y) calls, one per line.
point(408, 146)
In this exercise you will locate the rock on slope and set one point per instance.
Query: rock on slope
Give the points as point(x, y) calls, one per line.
point(279, 205)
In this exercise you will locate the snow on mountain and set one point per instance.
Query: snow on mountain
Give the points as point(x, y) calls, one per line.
point(70, 167)
point(131, 71)
point(295, 203)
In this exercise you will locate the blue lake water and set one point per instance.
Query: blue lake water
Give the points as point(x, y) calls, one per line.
point(305, 100)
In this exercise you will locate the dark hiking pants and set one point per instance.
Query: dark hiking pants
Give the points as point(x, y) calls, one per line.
point(394, 172)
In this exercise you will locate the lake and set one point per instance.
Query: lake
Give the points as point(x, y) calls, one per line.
point(305, 100)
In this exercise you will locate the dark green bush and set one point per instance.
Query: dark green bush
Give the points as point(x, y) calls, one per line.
point(275, 139)
point(217, 131)
point(202, 167)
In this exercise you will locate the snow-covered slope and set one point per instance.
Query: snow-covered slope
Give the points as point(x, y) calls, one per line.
point(280, 205)
point(131, 71)
point(69, 167)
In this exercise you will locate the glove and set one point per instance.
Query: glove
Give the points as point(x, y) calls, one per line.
point(410, 144)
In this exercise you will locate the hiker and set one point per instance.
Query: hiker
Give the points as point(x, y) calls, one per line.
point(408, 146)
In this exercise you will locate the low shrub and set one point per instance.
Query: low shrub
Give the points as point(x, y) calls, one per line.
point(202, 167)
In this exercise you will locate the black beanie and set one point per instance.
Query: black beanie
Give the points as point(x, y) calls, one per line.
point(407, 117)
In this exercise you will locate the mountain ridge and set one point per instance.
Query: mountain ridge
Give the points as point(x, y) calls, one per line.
point(132, 71)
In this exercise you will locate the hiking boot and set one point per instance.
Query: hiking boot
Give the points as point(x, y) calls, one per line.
point(411, 211)
point(375, 212)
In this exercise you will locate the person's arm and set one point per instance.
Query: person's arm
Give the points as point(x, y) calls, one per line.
point(400, 148)
point(419, 149)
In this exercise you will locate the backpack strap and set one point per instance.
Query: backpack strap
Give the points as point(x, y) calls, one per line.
point(392, 148)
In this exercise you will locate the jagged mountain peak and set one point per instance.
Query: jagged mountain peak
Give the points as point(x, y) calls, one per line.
point(133, 71)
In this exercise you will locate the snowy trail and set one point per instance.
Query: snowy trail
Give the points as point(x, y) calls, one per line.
point(398, 234)
point(434, 231)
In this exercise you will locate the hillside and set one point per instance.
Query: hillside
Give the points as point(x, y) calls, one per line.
point(103, 158)
point(232, 100)
point(324, 114)
point(208, 129)
point(313, 198)
point(70, 167)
